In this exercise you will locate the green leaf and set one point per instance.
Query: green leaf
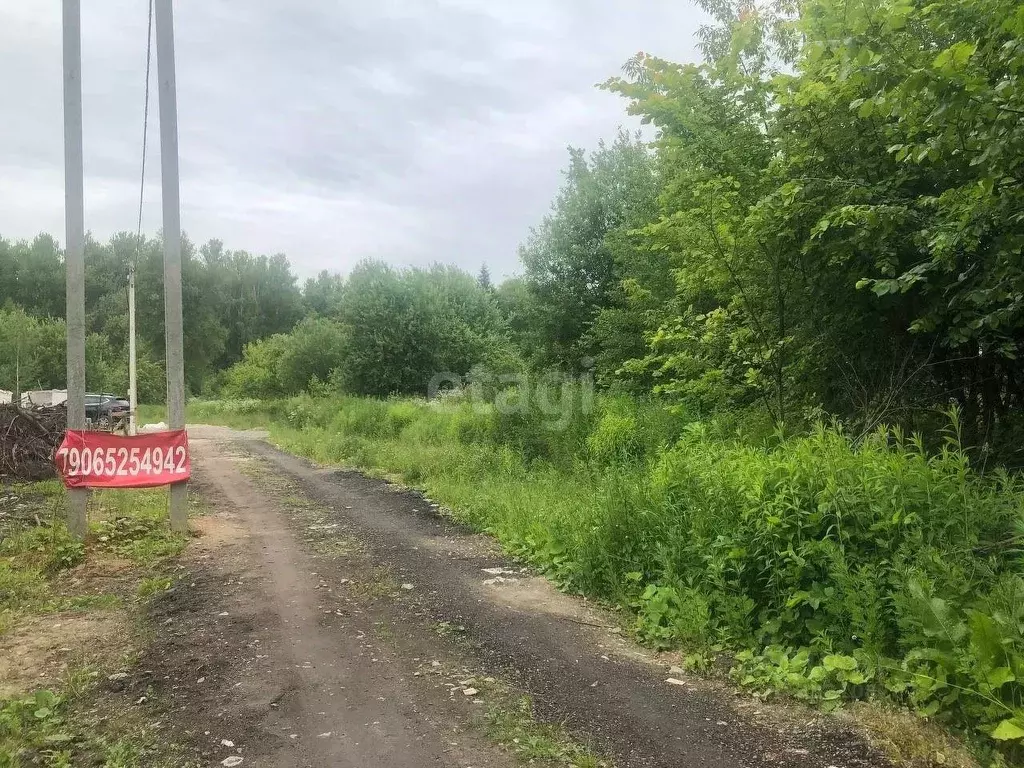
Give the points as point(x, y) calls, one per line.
point(836, 661)
point(1015, 24)
point(1000, 676)
point(955, 58)
point(1008, 730)
point(883, 287)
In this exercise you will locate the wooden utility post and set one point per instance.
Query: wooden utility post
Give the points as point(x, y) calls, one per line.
point(74, 254)
point(164, 28)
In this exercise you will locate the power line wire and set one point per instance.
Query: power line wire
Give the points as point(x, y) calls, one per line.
point(145, 133)
point(132, 378)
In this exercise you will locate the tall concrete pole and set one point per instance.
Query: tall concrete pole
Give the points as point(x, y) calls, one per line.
point(74, 254)
point(164, 28)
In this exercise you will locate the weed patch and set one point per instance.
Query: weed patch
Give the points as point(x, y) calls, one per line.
point(56, 730)
point(134, 525)
point(508, 718)
point(512, 724)
point(152, 585)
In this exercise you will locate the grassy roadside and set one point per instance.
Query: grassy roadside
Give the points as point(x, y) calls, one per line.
point(71, 620)
point(826, 567)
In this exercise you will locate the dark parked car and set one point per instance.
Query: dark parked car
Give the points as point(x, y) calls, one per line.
point(105, 408)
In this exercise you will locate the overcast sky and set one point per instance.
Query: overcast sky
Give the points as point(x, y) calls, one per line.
point(409, 130)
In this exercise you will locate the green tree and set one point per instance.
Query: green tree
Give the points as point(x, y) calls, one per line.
point(483, 278)
point(33, 275)
point(256, 374)
point(570, 265)
point(840, 213)
point(32, 351)
point(322, 295)
point(518, 310)
point(914, 173)
point(255, 296)
point(719, 332)
point(406, 327)
point(314, 351)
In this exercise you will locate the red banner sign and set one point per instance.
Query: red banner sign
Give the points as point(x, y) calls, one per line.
point(89, 459)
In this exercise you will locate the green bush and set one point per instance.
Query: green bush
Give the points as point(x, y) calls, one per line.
point(667, 616)
point(33, 721)
point(548, 420)
point(469, 424)
point(255, 375)
point(629, 430)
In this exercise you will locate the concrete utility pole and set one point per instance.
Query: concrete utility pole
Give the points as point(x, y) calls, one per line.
point(74, 254)
point(164, 28)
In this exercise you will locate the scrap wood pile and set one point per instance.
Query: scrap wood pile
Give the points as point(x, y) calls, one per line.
point(28, 439)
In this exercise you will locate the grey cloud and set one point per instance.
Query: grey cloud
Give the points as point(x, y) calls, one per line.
point(414, 130)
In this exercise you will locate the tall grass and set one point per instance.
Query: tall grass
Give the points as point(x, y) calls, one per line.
point(836, 567)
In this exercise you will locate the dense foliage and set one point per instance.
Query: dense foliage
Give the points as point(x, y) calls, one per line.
point(840, 212)
point(229, 299)
point(572, 260)
point(249, 330)
point(384, 331)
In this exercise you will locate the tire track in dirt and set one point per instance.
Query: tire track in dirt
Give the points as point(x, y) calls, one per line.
point(260, 663)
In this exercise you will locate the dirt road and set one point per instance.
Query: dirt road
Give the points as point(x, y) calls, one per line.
point(327, 619)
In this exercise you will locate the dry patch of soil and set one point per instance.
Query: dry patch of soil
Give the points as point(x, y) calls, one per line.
point(40, 650)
